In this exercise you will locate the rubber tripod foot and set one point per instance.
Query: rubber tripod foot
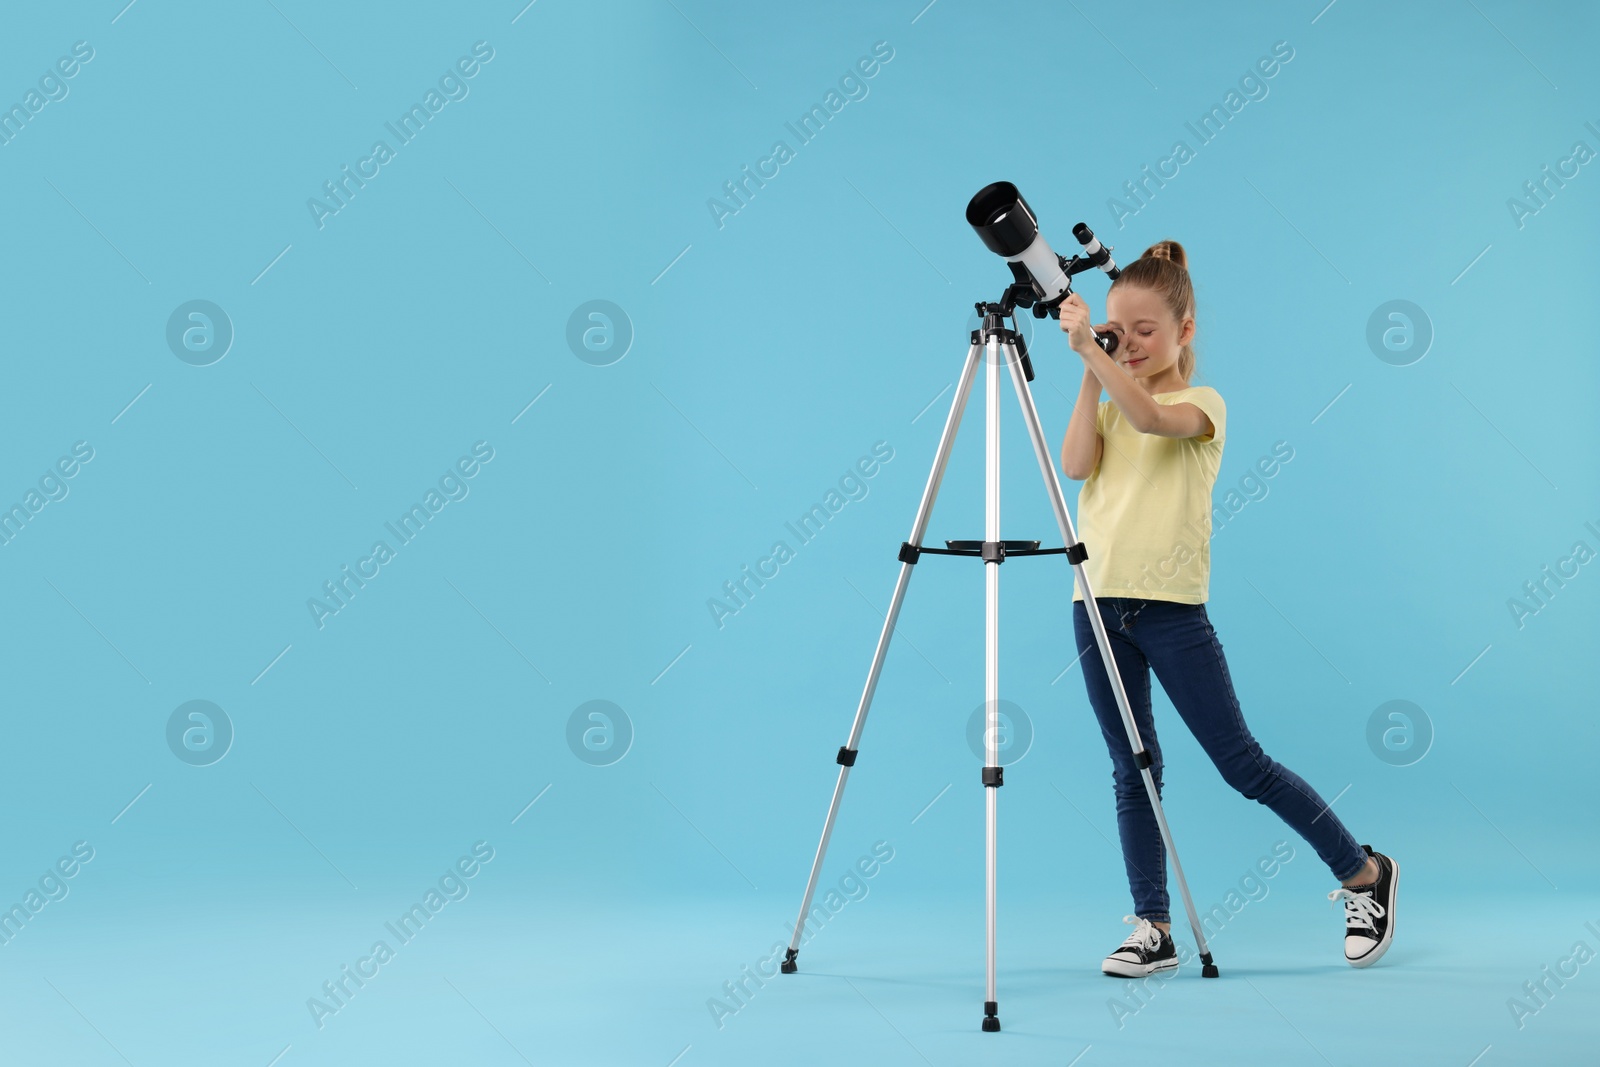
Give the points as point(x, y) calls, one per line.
point(789, 966)
point(991, 1024)
point(1207, 968)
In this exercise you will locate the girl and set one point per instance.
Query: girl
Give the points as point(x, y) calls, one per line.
point(1148, 458)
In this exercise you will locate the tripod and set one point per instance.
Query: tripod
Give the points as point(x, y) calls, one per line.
point(999, 347)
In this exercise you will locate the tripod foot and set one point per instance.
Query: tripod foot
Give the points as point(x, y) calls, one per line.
point(1207, 968)
point(991, 1024)
point(789, 966)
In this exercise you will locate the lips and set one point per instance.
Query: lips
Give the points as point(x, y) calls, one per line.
point(1135, 362)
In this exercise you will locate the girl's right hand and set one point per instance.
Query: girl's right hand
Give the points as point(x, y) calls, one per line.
point(1074, 312)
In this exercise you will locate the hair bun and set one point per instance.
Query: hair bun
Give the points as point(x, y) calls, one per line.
point(1170, 250)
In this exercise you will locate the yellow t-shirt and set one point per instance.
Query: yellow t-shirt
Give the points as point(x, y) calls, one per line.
point(1144, 515)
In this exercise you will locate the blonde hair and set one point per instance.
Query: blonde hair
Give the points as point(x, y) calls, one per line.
point(1164, 270)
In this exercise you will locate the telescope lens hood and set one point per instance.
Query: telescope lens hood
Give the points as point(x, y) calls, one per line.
point(1004, 222)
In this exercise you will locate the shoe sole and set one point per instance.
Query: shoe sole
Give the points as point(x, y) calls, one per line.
point(1388, 909)
point(1120, 969)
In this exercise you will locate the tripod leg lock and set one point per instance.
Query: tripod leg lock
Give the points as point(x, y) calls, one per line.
point(994, 776)
point(846, 756)
point(1077, 553)
point(909, 553)
point(1141, 759)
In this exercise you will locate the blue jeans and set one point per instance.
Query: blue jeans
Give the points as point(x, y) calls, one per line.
point(1179, 642)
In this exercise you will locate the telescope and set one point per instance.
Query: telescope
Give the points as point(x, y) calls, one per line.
point(1042, 280)
point(1009, 228)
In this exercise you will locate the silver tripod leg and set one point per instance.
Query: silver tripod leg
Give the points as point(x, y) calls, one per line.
point(993, 356)
point(1053, 487)
point(847, 755)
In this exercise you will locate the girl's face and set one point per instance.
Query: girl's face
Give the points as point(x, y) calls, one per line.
point(1149, 339)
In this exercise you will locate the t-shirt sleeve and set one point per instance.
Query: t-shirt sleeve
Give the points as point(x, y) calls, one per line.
point(1100, 416)
point(1209, 401)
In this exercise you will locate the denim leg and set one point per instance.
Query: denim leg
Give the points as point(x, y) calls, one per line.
point(1184, 651)
point(1143, 853)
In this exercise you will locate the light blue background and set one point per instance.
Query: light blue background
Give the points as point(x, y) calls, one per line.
point(770, 353)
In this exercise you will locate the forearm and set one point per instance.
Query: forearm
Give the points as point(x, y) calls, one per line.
point(1135, 404)
point(1080, 451)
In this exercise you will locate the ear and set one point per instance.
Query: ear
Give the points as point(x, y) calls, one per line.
point(1186, 332)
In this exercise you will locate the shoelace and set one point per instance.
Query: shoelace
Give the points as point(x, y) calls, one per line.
point(1360, 908)
point(1146, 935)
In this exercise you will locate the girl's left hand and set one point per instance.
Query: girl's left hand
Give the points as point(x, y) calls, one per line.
point(1075, 324)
